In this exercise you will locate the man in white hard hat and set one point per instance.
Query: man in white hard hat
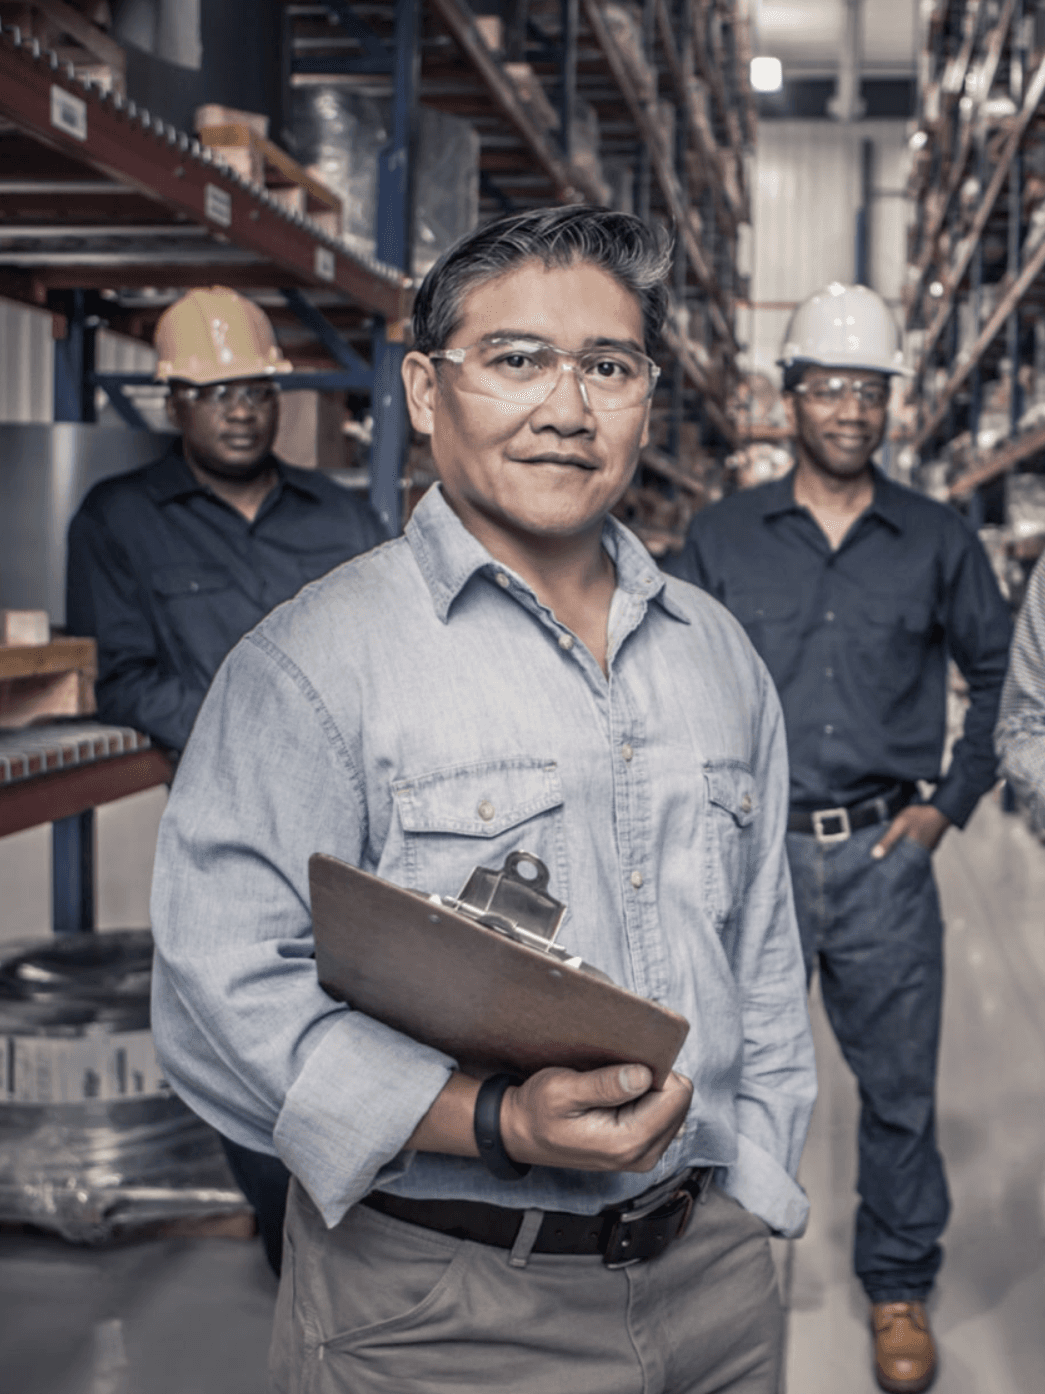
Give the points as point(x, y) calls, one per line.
point(169, 565)
point(855, 591)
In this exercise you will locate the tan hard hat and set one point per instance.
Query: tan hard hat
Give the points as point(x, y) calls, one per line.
point(844, 327)
point(216, 335)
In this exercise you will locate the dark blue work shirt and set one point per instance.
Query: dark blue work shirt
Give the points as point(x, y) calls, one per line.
point(168, 578)
point(857, 639)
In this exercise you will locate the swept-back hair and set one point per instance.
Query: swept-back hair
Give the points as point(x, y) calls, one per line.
point(636, 256)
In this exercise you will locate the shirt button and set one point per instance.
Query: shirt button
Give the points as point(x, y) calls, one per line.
point(485, 810)
point(745, 804)
point(828, 730)
point(502, 580)
point(194, 585)
point(636, 879)
point(627, 751)
point(566, 642)
point(829, 672)
point(829, 616)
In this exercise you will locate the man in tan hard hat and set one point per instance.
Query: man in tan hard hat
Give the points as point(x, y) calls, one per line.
point(855, 590)
point(171, 564)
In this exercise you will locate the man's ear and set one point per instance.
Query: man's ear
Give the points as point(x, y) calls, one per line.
point(788, 399)
point(421, 386)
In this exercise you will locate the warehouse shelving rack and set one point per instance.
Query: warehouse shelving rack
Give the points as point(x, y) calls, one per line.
point(975, 293)
point(676, 121)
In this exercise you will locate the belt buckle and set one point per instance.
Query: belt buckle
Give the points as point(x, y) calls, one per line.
point(839, 815)
point(671, 1193)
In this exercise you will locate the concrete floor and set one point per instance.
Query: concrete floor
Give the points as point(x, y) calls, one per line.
point(192, 1316)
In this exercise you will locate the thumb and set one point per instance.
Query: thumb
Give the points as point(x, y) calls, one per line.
point(888, 840)
point(615, 1085)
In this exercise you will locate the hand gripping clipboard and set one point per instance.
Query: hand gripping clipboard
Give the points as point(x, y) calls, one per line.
point(491, 1002)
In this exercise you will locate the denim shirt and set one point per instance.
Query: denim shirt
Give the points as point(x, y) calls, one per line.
point(419, 712)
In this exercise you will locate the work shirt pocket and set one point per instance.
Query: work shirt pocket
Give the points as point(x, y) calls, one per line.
point(771, 622)
point(732, 808)
point(455, 819)
point(199, 615)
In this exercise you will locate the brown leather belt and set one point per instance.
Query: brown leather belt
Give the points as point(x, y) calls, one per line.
point(623, 1234)
point(836, 824)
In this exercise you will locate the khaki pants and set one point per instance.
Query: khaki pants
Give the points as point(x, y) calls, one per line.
point(376, 1306)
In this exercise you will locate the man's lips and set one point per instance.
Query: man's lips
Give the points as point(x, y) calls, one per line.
point(578, 461)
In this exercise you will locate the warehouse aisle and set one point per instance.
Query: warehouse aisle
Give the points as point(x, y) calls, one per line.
point(988, 1309)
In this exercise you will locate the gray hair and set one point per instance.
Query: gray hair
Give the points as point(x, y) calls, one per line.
point(636, 256)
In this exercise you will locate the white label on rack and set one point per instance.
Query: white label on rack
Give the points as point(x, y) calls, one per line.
point(96, 1066)
point(68, 113)
point(217, 204)
point(325, 266)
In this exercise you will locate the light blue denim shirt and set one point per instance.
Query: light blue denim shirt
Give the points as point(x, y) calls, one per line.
point(377, 717)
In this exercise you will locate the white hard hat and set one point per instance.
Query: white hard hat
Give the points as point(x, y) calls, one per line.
point(844, 327)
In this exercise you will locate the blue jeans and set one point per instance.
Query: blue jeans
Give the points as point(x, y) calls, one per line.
point(875, 928)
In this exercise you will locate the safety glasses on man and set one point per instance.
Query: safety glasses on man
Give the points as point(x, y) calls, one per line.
point(525, 372)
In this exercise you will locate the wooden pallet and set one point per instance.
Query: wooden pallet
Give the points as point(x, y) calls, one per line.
point(254, 157)
point(41, 680)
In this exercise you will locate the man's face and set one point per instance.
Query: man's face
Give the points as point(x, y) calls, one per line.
point(836, 428)
point(550, 470)
point(227, 429)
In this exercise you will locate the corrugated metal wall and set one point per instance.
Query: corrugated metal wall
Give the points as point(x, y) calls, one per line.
point(806, 192)
point(27, 363)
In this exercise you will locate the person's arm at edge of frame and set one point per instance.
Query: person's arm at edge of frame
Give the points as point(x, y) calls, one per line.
point(777, 1087)
point(978, 629)
point(1020, 732)
point(103, 602)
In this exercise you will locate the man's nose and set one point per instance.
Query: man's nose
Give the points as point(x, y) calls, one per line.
point(566, 407)
point(852, 408)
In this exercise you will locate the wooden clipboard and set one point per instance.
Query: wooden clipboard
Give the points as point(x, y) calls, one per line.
point(480, 997)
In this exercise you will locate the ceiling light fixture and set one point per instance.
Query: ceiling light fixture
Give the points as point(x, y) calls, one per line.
point(767, 74)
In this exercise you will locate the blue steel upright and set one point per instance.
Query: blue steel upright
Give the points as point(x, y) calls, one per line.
point(394, 237)
point(72, 839)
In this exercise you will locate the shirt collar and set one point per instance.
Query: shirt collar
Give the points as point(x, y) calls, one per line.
point(778, 497)
point(449, 556)
point(170, 477)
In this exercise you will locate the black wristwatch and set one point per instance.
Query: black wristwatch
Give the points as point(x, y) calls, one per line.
point(486, 1123)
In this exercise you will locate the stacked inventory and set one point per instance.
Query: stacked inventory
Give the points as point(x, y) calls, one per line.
point(975, 293)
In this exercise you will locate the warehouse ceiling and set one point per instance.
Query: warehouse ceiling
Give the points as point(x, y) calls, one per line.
point(807, 36)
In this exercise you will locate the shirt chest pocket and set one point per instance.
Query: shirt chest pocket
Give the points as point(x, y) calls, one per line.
point(732, 808)
point(184, 582)
point(452, 820)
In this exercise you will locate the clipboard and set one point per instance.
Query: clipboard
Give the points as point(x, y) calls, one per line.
point(489, 1002)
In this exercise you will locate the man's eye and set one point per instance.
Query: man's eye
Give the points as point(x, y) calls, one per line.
point(516, 360)
point(610, 368)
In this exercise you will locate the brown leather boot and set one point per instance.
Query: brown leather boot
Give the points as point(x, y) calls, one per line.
point(904, 1352)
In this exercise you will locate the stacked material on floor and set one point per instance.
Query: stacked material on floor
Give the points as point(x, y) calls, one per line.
point(93, 1143)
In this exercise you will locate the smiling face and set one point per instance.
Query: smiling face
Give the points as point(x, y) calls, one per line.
point(512, 469)
point(836, 438)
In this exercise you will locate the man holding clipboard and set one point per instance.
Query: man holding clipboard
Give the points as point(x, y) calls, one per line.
point(514, 674)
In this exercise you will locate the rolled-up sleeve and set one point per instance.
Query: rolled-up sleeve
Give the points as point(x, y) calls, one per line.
point(1020, 733)
point(777, 1087)
point(245, 1033)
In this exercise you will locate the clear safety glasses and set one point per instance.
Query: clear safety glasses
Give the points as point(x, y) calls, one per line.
point(226, 395)
point(828, 392)
point(525, 372)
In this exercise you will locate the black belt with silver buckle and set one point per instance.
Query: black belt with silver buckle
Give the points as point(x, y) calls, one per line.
point(625, 1234)
point(836, 824)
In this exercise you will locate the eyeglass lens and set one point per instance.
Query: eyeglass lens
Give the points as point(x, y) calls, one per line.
point(522, 372)
point(227, 395)
point(831, 390)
